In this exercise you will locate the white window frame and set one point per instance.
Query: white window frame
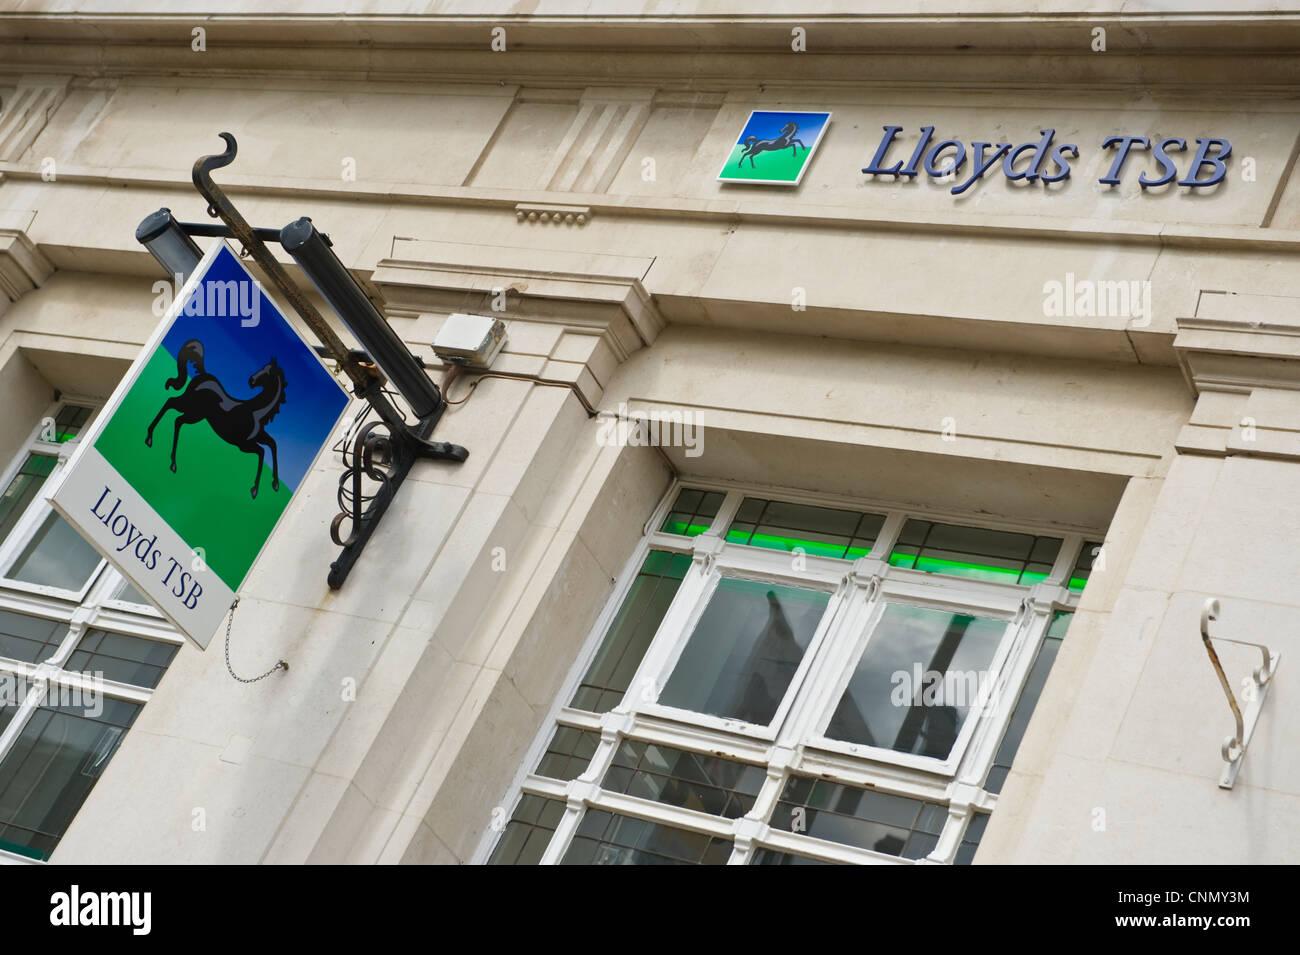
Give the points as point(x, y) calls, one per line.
point(794, 743)
point(90, 608)
point(39, 509)
point(685, 613)
point(925, 595)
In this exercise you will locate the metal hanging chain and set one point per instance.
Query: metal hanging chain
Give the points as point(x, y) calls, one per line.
point(280, 664)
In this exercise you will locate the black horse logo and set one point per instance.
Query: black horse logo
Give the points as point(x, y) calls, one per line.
point(241, 423)
point(754, 145)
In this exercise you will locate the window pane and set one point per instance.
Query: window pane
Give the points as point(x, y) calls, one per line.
point(529, 831)
point(692, 512)
point(122, 658)
point(51, 769)
point(23, 488)
point(620, 653)
point(1028, 700)
point(821, 531)
point(568, 753)
point(744, 651)
point(919, 676)
point(1083, 566)
point(69, 422)
point(604, 838)
point(681, 778)
point(56, 556)
point(971, 840)
point(29, 639)
point(776, 857)
point(882, 822)
point(975, 552)
point(126, 592)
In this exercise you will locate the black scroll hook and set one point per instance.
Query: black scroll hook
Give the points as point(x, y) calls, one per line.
point(203, 167)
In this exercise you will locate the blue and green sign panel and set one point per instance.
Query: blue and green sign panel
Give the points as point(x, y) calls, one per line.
point(774, 148)
point(203, 445)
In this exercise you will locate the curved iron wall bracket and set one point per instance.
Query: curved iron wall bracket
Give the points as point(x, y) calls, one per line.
point(1234, 747)
point(384, 453)
point(386, 458)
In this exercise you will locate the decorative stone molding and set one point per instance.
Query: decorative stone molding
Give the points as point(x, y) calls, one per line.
point(555, 214)
point(25, 111)
point(1238, 342)
point(1240, 354)
point(598, 139)
point(23, 267)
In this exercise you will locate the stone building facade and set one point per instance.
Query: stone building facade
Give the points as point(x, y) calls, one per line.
point(1017, 435)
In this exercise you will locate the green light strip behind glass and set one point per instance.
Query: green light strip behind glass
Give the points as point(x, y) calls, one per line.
point(816, 548)
point(933, 565)
point(962, 568)
point(688, 530)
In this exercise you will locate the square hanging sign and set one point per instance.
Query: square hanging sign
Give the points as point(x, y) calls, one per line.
point(774, 148)
point(192, 464)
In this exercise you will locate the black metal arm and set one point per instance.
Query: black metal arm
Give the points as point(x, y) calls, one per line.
point(383, 457)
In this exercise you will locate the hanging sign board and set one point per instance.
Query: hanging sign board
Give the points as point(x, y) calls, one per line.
point(187, 471)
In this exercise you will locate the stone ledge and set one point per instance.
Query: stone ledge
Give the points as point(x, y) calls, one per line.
point(23, 267)
point(635, 25)
point(778, 212)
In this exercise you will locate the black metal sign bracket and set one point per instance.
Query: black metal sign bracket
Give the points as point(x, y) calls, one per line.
point(385, 450)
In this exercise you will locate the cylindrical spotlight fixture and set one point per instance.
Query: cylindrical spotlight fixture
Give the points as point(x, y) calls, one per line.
point(311, 251)
point(163, 236)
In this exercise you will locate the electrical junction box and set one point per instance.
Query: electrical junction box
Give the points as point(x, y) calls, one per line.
point(473, 341)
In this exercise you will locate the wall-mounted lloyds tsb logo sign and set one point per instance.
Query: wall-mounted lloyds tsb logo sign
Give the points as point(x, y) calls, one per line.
point(774, 148)
point(193, 462)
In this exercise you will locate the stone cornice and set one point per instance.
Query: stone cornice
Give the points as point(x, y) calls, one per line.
point(939, 48)
point(1189, 235)
point(897, 26)
point(1264, 74)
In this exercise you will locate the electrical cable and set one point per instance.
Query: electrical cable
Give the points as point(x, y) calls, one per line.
point(591, 412)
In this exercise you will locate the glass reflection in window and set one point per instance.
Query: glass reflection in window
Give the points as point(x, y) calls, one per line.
point(919, 677)
point(743, 653)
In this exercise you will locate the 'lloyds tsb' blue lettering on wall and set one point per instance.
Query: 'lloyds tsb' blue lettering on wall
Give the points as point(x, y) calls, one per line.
point(1045, 161)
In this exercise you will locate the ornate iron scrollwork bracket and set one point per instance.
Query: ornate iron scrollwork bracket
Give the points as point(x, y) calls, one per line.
point(386, 456)
point(383, 451)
